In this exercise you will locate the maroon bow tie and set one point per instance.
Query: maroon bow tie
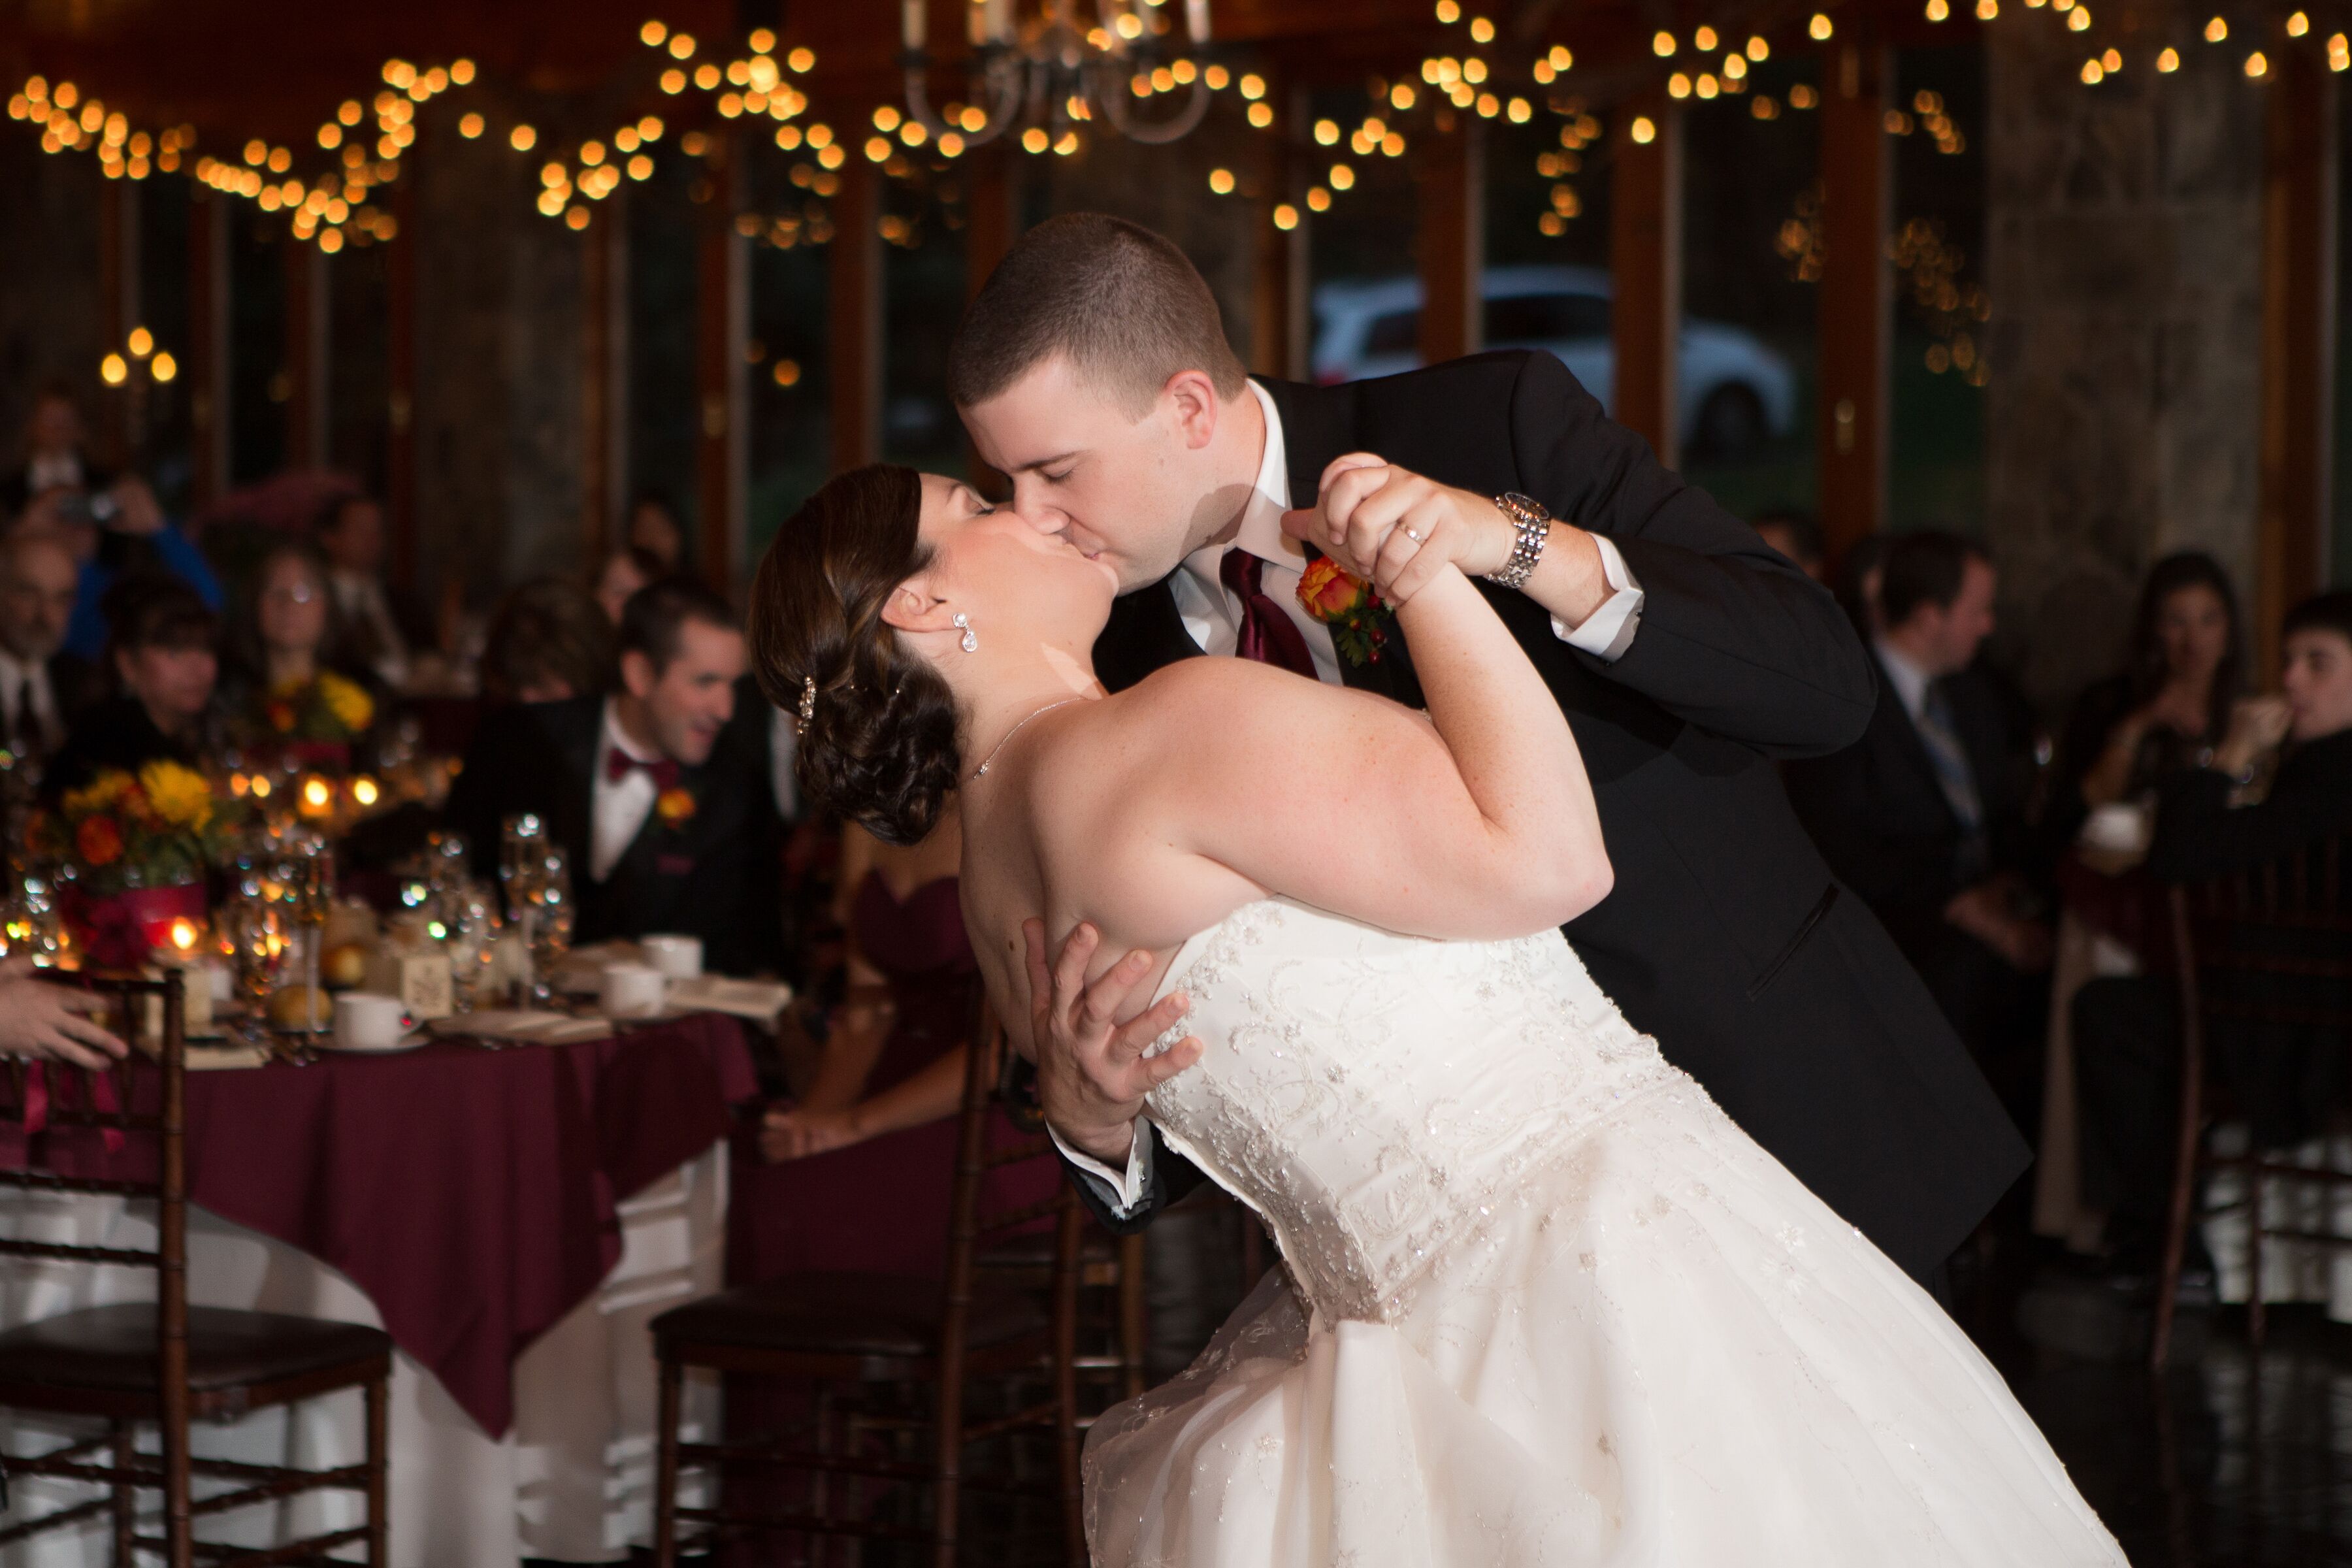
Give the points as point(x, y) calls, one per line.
point(617, 764)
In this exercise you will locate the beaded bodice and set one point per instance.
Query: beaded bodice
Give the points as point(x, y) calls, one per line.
point(1374, 1097)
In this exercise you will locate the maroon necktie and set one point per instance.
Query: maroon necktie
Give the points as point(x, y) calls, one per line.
point(1267, 634)
point(617, 764)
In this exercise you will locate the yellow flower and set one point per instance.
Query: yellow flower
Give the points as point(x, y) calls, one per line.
point(353, 708)
point(180, 795)
point(102, 794)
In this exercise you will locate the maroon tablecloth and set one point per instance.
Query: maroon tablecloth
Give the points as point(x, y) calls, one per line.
point(470, 1193)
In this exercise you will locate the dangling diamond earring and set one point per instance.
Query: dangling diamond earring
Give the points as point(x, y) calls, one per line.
point(963, 622)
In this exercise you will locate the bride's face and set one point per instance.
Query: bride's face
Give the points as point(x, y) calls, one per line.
point(1006, 577)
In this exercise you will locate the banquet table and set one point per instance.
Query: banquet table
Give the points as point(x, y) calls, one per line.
point(513, 1216)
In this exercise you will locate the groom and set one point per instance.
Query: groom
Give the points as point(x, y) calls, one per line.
point(1093, 371)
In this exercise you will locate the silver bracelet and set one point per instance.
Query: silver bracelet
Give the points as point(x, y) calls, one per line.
point(1534, 525)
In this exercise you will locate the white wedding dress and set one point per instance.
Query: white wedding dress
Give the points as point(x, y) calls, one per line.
point(1543, 1303)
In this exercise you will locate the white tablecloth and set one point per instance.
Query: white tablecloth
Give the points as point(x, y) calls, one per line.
point(572, 1479)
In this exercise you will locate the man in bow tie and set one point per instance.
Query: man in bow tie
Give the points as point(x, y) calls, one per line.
point(659, 791)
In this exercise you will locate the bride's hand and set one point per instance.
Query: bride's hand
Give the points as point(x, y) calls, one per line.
point(1092, 1074)
point(1397, 528)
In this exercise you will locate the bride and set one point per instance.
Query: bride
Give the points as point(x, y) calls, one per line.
point(1542, 1303)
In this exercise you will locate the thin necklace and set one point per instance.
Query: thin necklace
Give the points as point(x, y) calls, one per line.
point(1049, 707)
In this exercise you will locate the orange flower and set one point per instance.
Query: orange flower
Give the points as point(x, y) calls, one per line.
point(675, 805)
point(98, 840)
point(1327, 592)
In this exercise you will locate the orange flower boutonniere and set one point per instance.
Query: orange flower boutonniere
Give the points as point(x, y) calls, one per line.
point(1358, 618)
point(675, 806)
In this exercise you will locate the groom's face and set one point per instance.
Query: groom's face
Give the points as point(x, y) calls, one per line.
point(1128, 492)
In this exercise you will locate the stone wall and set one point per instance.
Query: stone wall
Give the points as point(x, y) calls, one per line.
point(2124, 257)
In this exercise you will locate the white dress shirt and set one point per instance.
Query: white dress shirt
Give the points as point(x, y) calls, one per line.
point(53, 470)
point(15, 676)
point(1213, 619)
point(617, 809)
point(1910, 682)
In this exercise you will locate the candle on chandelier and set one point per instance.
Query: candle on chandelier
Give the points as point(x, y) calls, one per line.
point(911, 22)
point(1196, 19)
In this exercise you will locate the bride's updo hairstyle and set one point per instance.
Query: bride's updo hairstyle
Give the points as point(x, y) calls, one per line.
point(879, 741)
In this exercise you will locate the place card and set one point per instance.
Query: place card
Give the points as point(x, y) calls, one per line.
point(421, 981)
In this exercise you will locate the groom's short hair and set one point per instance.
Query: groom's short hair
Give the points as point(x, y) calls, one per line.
point(1125, 305)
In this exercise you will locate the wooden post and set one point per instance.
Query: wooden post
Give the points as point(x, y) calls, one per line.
point(1857, 298)
point(2299, 305)
point(1452, 179)
point(856, 354)
point(118, 312)
point(306, 353)
point(1645, 261)
point(605, 377)
point(206, 369)
point(723, 308)
point(401, 262)
point(1279, 270)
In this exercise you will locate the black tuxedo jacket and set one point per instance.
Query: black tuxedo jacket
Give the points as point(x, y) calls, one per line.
point(718, 876)
point(1883, 822)
point(1725, 936)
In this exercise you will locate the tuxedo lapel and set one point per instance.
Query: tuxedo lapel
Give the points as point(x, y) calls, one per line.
point(1145, 632)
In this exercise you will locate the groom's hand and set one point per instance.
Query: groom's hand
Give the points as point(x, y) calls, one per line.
point(1092, 1074)
point(1394, 528)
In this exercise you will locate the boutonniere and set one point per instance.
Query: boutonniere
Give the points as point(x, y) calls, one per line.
point(675, 806)
point(1358, 618)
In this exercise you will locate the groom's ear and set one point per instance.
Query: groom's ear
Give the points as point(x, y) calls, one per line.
point(910, 609)
point(1195, 406)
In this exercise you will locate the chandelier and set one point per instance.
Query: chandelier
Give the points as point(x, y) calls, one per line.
point(1047, 74)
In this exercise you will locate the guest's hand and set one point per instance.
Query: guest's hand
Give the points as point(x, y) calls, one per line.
point(2257, 725)
point(136, 510)
point(2174, 707)
point(42, 1020)
point(795, 1133)
point(1092, 1074)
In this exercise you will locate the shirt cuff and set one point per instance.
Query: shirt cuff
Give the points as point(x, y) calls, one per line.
point(1609, 631)
point(1124, 1190)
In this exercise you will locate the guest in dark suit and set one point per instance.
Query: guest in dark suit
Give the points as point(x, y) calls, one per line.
point(163, 666)
point(56, 458)
point(1925, 816)
point(382, 627)
point(658, 792)
point(1094, 372)
point(43, 688)
point(2283, 1078)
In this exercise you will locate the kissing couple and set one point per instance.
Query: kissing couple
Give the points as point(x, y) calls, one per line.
point(1450, 914)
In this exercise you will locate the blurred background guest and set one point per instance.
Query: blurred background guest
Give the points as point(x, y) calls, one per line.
point(43, 1020)
point(658, 792)
point(1796, 535)
point(54, 458)
point(2185, 671)
point(549, 641)
point(113, 533)
point(1860, 571)
point(1924, 815)
point(384, 628)
point(2285, 1078)
point(286, 629)
point(624, 572)
point(42, 686)
point(654, 529)
point(163, 665)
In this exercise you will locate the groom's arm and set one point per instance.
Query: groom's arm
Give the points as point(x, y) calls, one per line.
point(1728, 634)
point(1127, 1200)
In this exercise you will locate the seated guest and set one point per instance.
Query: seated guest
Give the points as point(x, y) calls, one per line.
point(662, 803)
point(163, 665)
point(654, 529)
point(284, 632)
point(1796, 535)
point(1924, 815)
point(2284, 1079)
point(624, 572)
point(112, 535)
point(2171, 705)
point(55, 457)
point(381, 633)
point(42, 686)
point(547, 642)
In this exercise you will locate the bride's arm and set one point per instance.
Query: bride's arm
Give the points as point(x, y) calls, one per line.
point(1476, 823)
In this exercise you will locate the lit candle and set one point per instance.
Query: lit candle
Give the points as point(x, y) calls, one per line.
point(363, 791)
point(1000, 21)
point(1196, 19)
point(318, 796)
point(975, 21)
point(911, 23)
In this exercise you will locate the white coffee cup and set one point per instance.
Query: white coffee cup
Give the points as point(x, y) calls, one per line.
point(366, 1022)
point(632, 990)
point(678, 957)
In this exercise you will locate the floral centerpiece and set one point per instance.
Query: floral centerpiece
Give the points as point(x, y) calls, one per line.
point(316, 720)
point(138, 846)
